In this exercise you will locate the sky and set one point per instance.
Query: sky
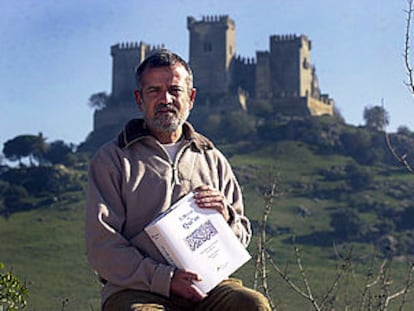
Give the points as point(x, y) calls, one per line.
point(54, 54)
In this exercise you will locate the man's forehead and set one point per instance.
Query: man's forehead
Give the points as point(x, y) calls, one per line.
point(176, 74)
point(174, 67)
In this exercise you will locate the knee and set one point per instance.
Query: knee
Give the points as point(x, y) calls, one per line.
point(251, 300)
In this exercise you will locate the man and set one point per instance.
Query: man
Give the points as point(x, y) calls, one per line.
point(153, 163)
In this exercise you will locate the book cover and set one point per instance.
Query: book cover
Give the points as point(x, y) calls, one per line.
point(198, 239)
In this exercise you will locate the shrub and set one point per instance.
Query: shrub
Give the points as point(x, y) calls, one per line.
point(358, 178)
point(13, 294)
point(348, 225)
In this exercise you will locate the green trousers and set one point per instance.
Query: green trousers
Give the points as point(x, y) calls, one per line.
point(227, 296)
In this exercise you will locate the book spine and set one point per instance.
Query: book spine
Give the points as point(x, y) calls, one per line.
point(164, 246)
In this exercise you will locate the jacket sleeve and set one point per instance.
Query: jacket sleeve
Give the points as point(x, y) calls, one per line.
point(230, 187)
point(113, 257)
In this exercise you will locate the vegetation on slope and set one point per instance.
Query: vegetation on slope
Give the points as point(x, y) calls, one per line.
point(340, 190)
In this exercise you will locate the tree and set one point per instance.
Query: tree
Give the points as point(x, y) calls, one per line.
point(338, 115)
point(376, 118)
point(58, 152)
point(21, 146)
point(263, 109)
point(358, 177)
point(347, 225)
point(238, 124)
point(356, 142)
point(98, 100)
point(404, 130)
point(3, 165)
point(406, 219)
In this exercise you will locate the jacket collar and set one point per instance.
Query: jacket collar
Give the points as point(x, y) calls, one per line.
point(136, 129)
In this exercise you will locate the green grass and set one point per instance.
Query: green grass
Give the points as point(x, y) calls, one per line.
point(291, 164)
point(45, 247)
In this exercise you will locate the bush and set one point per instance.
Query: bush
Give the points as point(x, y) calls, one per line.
point(347, 225)
point(358, 178)
point(406, 219)
point(43, 179)
point(13, 294)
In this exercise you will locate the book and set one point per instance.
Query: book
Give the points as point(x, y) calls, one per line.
point(198, 239)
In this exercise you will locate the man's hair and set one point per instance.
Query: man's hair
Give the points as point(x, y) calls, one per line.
point(162, 58)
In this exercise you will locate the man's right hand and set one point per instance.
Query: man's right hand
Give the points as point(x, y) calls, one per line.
point(182, 284)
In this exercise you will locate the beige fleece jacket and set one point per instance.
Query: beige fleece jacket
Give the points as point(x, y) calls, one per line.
point(133, 180)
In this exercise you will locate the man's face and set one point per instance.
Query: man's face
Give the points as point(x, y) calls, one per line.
point(165, 98)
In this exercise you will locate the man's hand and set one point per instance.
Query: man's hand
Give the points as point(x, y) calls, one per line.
point(207, 197)
point(182, 285)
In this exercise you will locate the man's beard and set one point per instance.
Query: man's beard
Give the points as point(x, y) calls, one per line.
point(166, 122)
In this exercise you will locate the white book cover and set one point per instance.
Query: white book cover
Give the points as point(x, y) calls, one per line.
point(198, 239)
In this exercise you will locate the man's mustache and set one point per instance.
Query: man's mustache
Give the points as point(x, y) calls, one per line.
point(168, 107)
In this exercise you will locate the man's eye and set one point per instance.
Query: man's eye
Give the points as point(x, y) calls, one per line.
point(152, 91)
point(177, 89)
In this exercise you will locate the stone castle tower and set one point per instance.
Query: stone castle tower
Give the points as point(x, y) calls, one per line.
point(125, 57)
point(286, 78)
point(212, 49)
point(121, 103)
point(282, 78)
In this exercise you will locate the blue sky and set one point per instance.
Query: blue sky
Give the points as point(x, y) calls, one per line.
point(56, 53)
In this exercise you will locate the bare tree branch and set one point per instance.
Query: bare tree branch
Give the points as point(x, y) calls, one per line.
point(285, 277)
point(400, 158)
point(410, 84)
point(347, 263)
point(406, 289)
point(305, 279)
point(261, 265)
point(408, 65)
point(307, 293)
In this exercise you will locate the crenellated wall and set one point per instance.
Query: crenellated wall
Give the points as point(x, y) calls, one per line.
point(125, 58)
point(243, 73)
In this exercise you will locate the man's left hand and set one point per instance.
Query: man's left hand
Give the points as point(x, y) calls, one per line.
point(207, 197)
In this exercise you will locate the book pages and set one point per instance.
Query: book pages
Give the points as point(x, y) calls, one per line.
point(198, 239)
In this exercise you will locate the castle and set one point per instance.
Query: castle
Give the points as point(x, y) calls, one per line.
point(282, 77)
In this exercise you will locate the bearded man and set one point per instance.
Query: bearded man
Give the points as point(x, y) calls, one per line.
point(153, 163)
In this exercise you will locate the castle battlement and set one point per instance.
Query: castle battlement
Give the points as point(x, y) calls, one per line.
point(262, 54)
point(300, 40)
point(245, 60)
point(214, 18)
point(128, 46)
point(289, 38)
point(224, 20)
point(326, 99)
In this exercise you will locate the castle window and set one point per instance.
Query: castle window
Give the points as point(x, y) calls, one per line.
point(306, 64)
point(208, 47)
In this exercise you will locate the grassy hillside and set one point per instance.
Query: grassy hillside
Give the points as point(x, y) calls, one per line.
point(299, 171)
point(45, 246)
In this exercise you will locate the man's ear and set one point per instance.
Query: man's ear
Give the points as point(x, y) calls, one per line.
point(138, 99)
point(192, 97)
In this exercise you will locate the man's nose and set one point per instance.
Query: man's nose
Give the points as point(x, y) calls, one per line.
point(166, 97)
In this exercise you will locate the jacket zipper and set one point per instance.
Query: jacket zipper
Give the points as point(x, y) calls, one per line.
point(174, 163)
